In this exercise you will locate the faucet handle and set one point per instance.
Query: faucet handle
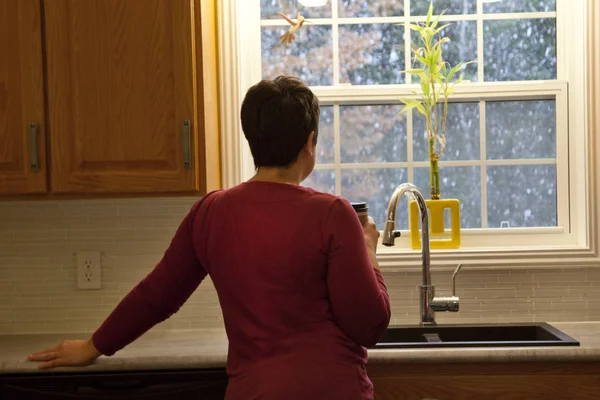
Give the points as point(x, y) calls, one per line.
point(447, 303)
point(389, 234)
point(456, 271)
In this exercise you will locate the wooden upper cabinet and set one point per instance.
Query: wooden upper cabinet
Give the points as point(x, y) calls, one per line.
point(22, 125)
point(123, 114)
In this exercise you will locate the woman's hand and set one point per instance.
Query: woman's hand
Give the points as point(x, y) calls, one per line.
point(371, 238)
point(70, 353)
point(371, 234)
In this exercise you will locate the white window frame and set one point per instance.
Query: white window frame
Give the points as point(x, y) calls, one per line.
point(574, 243)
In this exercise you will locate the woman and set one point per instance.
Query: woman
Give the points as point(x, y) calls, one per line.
point(296, 273)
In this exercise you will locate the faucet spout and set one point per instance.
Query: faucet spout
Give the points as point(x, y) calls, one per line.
point(390, 232)
point(429, 304)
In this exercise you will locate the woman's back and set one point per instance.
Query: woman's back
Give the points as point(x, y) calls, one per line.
point(292, 274)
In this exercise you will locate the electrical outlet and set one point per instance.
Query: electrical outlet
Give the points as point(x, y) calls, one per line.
point(89, 270)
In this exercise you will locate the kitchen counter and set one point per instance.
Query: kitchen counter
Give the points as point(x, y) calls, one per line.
point(199, 349)
point(203, 348)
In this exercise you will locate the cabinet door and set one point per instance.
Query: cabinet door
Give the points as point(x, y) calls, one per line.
point(120, 92)
point(22, 125)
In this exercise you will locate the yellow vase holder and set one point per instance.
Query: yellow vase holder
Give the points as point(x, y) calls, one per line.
point(439, 236)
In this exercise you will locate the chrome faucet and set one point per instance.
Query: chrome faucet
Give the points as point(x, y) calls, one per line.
point(428, 302)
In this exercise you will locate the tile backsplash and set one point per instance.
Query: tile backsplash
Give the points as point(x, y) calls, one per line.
point(38, 293)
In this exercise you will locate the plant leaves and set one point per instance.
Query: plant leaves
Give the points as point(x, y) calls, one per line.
point(435, 57)
point(429, 13)
point(469, 62)
point(415, 71)
point(441, 41)
point(441, 28)
point(409, 104)
point(414, 27)
point(435, 76)
point(421, 59)
point(425, 88)
point(454, 70)
point(436, 21)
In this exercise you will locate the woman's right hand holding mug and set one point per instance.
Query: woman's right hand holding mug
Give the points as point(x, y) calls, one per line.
point(371, 239)
point(371, 234)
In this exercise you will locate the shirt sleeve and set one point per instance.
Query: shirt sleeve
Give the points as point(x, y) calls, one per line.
point(159, 295)
point(357, 292)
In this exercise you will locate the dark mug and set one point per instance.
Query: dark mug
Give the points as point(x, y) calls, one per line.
point(362, 210)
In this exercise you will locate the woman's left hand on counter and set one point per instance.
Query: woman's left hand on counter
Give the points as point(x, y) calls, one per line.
point(69, 353)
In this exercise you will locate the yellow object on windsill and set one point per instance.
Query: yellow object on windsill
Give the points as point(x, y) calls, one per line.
point(438, 238)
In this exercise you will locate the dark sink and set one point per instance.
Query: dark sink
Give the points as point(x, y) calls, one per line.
point(474, 335)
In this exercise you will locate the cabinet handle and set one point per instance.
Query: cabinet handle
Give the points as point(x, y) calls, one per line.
point(33, 146)
point(187, 144)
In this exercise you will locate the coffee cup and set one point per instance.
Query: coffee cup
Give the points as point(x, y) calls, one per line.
point(362, 210)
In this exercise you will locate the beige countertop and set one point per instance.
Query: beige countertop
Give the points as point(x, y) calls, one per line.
point(197, 349)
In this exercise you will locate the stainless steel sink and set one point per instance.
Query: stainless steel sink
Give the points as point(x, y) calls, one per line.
point(474, 335)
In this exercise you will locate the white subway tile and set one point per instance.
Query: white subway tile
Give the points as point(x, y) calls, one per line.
point(170, 222)
point(561, 277)
point(7, 250)
point(136, 222)
point(92, 222)
point(142, 209)
point(569, 305)
point(555, 293)
point(38, 242)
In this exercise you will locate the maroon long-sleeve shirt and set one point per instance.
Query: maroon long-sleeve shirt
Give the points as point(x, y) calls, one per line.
point(299, 295)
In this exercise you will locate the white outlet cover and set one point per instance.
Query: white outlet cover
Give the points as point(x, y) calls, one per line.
point(89, 270)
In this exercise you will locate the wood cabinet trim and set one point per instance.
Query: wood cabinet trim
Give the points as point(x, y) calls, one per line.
point(22, 100)
point(207, 117)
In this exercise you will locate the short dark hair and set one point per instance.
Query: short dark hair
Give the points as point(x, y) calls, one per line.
point(277, 117)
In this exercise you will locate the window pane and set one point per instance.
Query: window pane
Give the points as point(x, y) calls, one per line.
point(521, 196)
point(309, 58)
point(372, 134)
point(522, 49)
point(520, 129)
point(270, 8)
point(462, 46)
point(462, 183)
point(420, 7)
point(375, 186)
point(370, 8)
point(462, 134)
point(519, 6)
point(371, 54)
point(326, 140)
point(322, 180)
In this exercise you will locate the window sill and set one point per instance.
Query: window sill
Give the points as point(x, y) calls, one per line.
point(402, 258)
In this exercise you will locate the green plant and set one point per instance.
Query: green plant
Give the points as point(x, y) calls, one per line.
point(437, 80)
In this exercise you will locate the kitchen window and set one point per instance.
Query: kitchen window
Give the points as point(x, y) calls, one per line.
point(515, 131)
